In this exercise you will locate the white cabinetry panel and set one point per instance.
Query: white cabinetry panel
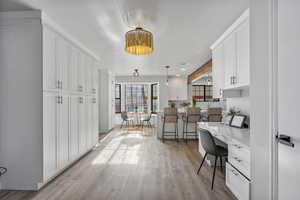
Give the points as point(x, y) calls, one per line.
point(62, 61)
point(243, 48)
point(218, 71)
point(50, 71)
point(63, 136)
point(81, 72)
point(74, 64)
point(74, 133)
point(82, 124)
point(50, 128)
point(230, 60)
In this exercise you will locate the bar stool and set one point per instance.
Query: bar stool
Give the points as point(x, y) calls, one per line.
point(210, 147)
point(192, 116)
point(170, 116)
point(215, 114)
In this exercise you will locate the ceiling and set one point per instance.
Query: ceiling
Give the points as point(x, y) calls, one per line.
point(183, 30)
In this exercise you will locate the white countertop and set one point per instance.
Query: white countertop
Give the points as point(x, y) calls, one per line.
point(226, 133)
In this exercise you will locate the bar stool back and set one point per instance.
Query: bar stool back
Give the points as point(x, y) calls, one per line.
point(170, 116)
point(215, 114)
point(192, 116)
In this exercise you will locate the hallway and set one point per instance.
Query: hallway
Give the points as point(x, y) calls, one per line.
point(131, 164)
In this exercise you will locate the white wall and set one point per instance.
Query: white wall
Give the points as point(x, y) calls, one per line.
point(178, 88)
point(242, 103)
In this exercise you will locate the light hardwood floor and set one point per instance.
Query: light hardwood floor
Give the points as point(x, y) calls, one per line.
point(131, 164)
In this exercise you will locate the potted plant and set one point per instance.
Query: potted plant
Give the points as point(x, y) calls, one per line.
point(172, 105)
point(184, 104)
point(194, 102)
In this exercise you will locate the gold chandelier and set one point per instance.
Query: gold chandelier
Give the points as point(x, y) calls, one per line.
point(139, 41)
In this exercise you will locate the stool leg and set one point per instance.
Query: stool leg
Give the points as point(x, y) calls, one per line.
point(221, 163)
point(163, 131)
point(213, 179)
point(183, 134)
point(186, 130)
point(176, 132)
point(202, 163)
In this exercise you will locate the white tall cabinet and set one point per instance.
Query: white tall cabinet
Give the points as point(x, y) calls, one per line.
point(49, 100)
point(230, 57)
point(107, 101)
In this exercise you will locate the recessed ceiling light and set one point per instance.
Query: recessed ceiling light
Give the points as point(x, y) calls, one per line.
point(183, 69)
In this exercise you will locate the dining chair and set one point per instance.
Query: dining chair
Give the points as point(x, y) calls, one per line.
point(146, 120)
point(210, 147)
point(126, 119)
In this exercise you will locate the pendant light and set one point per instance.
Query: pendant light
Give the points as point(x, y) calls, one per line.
point(136, 73)
point(167, 68)
point(139, 41)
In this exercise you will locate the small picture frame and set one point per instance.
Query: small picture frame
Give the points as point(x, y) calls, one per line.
point(238, 121)
point(227, 119)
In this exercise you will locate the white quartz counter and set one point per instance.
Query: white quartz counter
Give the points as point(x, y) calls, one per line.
point(226, 133)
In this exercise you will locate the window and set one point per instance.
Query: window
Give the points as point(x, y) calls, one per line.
point(117, 98)
point(136, 97)
point(202, 93)
point(154, 98)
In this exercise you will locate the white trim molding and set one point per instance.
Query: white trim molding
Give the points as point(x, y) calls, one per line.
point(233, 27)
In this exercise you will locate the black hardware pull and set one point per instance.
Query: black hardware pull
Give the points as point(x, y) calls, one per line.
point(285, 139)
point(3, 170)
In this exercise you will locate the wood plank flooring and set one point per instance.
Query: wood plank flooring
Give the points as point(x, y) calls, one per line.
point(133, 165)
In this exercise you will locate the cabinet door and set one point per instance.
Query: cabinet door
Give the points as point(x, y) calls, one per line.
point(82, 125)
point(218, 71)
point(50, 128)
point(243, 62)
point(62, 61)
point(88, 74)
point(63, 136)
point(50, 71)
point(230, 59)
point(95, 78)
point(74, 132)
point(95, 131)
point(74, 62)
point(81, 72)
point(89, 115)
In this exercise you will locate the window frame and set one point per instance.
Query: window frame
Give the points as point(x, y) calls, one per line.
point(152, 85)
point(120, 97)
point(205, 89)
point(133, 90)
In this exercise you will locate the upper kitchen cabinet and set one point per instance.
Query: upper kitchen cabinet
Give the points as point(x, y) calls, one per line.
point(243, 48)
point(218, 71)
point(231, 53)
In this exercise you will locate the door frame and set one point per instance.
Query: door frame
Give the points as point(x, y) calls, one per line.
point(263, 75)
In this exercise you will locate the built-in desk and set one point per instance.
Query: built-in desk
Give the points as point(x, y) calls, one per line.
point(238, 166)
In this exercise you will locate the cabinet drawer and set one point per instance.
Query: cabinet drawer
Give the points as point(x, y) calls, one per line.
point(240, 163)
point(239, 157)
point(237, 183)
point(240, 150)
